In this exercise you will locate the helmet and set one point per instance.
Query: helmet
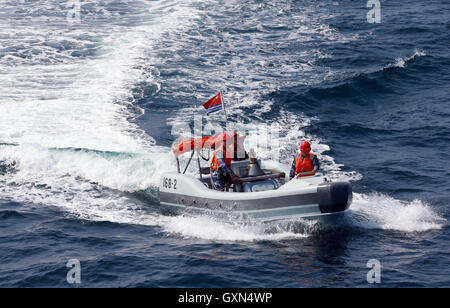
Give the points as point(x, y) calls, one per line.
point(305, 147)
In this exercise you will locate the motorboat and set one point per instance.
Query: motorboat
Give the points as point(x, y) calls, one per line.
point(263, 190)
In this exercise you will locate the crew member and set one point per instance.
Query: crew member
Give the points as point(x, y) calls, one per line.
point(221, 161)
point(305, 163)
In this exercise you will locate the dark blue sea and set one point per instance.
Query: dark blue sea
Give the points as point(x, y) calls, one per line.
point(94, 93)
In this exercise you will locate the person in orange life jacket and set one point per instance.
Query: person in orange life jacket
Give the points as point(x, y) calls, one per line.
point(221, 161)
point(304, 162)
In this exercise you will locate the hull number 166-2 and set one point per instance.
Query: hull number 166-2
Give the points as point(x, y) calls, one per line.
point(169, 183)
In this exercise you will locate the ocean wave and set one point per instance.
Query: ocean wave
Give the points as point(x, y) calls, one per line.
point(402, 62)
point(353, 88)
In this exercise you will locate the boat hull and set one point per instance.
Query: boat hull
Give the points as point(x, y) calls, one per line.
point(298, 198)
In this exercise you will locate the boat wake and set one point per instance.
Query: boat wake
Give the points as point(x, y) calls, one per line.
point(96, 186)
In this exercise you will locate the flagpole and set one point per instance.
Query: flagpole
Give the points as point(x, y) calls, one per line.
point(224, 111)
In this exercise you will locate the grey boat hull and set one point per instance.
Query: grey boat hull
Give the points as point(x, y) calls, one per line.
point(304, 197)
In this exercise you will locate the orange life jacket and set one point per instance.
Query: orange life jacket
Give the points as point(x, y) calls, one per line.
point(305, 164)
point(228, 156)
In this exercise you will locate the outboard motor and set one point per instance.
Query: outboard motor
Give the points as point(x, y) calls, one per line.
point(254, 169)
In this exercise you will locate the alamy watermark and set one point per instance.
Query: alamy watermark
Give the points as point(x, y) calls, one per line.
point(374, 14)
point(74, 274)
point(262, 138)
point(74, 11)
point(374, 275)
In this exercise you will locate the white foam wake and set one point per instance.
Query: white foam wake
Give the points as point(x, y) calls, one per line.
point(82, 102)
point(52, 98)
point(211, 229)
point(378, 211)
